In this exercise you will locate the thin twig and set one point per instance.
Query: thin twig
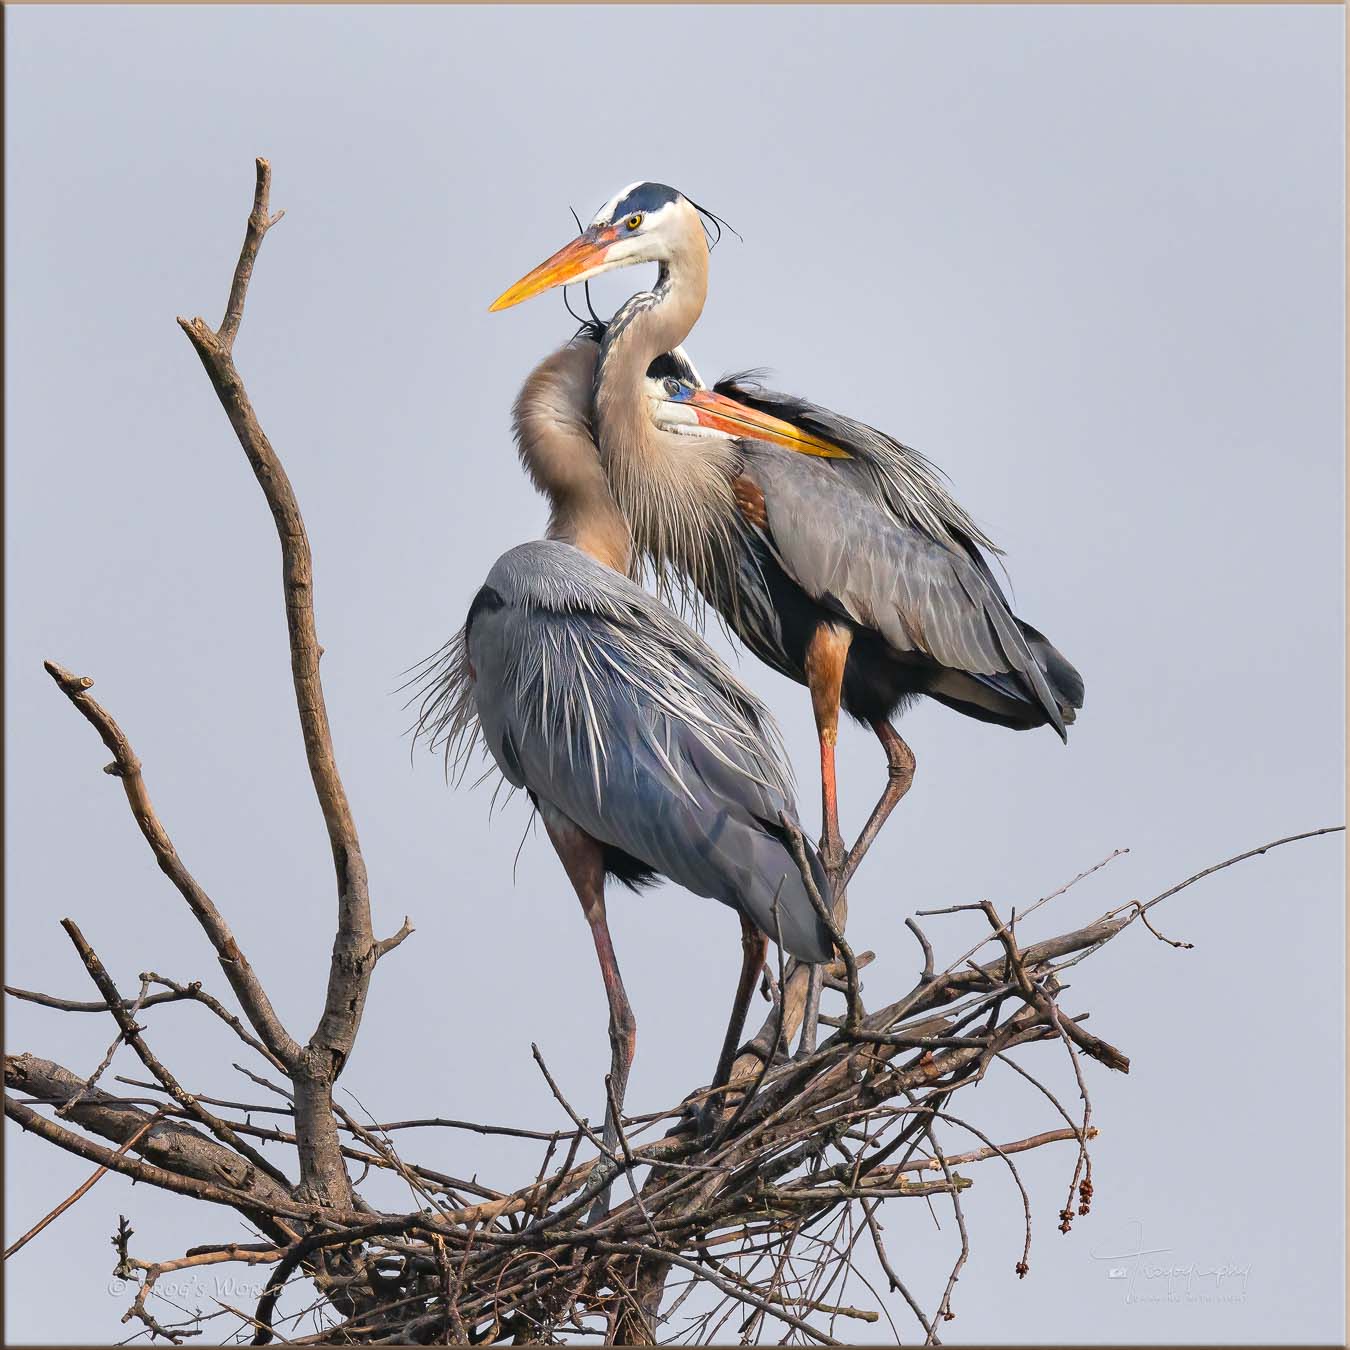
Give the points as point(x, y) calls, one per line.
point(82, 1189)
point(127, 768)
point(131, 1033)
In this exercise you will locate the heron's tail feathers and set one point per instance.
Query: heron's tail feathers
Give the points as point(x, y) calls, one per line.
point(1065, 682)
point(1045, 690)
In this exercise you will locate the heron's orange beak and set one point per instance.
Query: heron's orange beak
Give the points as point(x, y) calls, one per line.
point(582, 258)
point(725, 414)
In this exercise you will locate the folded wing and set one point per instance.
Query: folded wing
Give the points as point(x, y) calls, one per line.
point(601, 703)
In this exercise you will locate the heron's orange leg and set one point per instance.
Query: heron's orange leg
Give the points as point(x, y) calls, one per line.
point(584, 861)
point(753, 946)
point(899, 776)
point(826, 656)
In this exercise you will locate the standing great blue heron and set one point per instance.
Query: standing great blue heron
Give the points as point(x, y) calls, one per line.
point(642, 753)
point(858, 576)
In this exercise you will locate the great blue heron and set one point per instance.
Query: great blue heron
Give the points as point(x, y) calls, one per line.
point(860, 577)
point(641, 751)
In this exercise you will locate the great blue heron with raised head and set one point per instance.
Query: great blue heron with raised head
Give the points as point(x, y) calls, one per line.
point(854, 572)
point(643, 754)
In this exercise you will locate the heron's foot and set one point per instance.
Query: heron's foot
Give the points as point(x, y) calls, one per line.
point(833, 855)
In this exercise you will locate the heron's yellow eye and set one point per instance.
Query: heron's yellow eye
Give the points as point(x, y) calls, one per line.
point(633, 221)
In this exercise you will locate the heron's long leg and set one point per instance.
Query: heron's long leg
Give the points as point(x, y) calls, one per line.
point(826, 656)
point(753, 946)
point(584, 861)
point(899, 777)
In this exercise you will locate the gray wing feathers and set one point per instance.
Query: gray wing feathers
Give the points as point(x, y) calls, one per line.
point(903, 480)
point(601, 702)
point(847, 552)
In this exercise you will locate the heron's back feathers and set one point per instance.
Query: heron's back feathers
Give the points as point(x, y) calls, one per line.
point(926, 598)
point(903, 480)
point(597, 699)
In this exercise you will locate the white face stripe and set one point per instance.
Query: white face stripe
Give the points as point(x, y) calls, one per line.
point(651, 219)
point(653, 213)
point(606, 213)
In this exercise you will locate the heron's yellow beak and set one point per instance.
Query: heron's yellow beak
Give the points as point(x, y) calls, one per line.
point(582, 258)
point(725, 414)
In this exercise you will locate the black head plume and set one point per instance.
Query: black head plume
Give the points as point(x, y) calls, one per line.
point(713, 224)
point(594, 326)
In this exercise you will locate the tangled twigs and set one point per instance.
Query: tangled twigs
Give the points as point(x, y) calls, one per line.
point(131, 1033)
point(153, 1271)
point(715, 1209)
point(755, 1222)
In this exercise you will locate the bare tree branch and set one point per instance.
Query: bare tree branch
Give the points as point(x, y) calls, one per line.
point(126, 767)
point(355, 950)
point(178, 1158)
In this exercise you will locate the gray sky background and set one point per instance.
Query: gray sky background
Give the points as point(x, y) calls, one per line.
point(1089, 260)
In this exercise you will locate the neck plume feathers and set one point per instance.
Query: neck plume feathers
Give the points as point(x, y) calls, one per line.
point(675, 491)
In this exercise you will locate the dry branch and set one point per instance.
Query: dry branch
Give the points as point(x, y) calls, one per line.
point(315, 1067)
point(126, 767)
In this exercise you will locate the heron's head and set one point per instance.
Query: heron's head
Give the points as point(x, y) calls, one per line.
point(646, 222)
point(680, 406)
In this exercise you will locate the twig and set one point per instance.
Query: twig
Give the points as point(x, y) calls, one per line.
point(66, 1107)
point(897, 1284)
point(992, 1150)
point(83, 1188)
point(630, 1163)
point(944, 1312)
point(1228, 862)
point(126, 767)
point(84, 1005)
point(197, 994)
point(131, 1033)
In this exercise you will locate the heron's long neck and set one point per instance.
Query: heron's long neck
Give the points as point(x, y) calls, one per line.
point(674, 490)
point(586, 516)
point(650, 324)
point(559, 452)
